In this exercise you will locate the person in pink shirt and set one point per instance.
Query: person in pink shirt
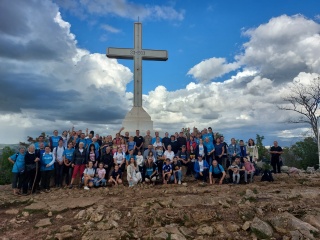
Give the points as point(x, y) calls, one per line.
point(249, 169)
point(99, 179)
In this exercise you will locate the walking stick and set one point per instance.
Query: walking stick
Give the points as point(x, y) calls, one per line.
point(35, 178)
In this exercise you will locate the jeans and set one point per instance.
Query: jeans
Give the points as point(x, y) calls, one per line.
point(101, 183)
point(176, 175)
point(204, 176)
point(246, 176)
point(189, 166)
point(67, 171)
point(58, 173)
point(209, 158)
point(236, 177)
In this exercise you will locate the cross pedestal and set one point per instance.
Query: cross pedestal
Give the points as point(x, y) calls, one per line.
point(137, 118)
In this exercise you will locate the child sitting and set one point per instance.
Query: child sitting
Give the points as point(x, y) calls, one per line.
point(116, 176)
point(166, 171)
point(100, 180)
point(235, 172)
point(249, 169)
point(88, 176)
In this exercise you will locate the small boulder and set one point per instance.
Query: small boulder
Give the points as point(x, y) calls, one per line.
point(12, 211)
point(246, 225)
point(43, 223)
point(261, 227)
point(66, 228)
point(205, 230)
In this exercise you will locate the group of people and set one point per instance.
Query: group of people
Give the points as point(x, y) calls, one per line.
point(100, 160)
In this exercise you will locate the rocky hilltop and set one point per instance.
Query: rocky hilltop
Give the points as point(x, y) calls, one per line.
point(288, 208)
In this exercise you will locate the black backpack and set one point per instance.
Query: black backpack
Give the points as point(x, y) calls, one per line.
point(267, 176)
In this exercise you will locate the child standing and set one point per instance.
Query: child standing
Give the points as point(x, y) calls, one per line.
point(140, 161)
point(100, 180)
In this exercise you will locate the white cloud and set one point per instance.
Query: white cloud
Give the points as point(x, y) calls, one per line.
point(124, 9)
point(109, 28)
point(212, 68)
point(283, 47)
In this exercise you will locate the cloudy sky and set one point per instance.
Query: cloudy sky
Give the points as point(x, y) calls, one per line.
point(229, 66)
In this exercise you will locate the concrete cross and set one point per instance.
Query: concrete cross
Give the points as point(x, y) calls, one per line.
point(137, 54)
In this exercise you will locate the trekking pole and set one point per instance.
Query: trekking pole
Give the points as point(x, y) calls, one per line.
point(35, 178)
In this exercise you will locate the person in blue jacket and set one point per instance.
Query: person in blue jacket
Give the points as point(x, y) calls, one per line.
point(201, 168)
point(46, 168)
point(18, 168)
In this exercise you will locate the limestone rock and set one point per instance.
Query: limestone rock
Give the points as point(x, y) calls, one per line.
point(186, 231)
point(12, 211)
point(25, 214)
point(177, 236)
point(49, 214)
point(161, 236)
point(261, 227)
point(205, 230)
point(287, 222)
point(313, 220)
point(233, 227)
point(310, 170)
point(66, 228)
point(246, 225)
point(43, 223)
point(59, 216)
point(63, 236)
point(96, 216)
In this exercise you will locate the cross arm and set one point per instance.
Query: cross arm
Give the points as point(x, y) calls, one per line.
point(155, 55)
point(120, 53)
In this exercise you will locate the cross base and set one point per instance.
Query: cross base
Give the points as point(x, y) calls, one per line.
point(137, 119)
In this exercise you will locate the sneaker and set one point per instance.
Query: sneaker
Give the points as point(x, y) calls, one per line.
point(86, 188)
point(47, 190)
point(179, 182)
point(70, 186)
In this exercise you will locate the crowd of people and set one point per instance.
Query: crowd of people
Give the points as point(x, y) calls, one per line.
point(101, 161)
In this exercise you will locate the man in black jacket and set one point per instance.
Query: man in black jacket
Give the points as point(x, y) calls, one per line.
point(107, 160)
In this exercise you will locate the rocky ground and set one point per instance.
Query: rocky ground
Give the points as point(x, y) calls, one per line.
point(288, 208)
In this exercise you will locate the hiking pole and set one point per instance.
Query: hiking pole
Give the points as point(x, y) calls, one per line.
point(35, 178)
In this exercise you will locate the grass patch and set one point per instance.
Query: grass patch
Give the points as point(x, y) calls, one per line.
point(259, 234)
point(302, 180)
point(242, 193)
point(255, 191)
point(315, 234)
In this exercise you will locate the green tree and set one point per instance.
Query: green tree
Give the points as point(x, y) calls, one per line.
point(306, 152)
point(263, 152)
point(6, 166)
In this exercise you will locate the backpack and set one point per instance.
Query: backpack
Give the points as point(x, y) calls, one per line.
point(267, 176)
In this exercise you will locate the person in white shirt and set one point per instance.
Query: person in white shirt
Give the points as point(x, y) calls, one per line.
point(88, 176)
point(169, 154)
point(119, 158)
point(58, 165)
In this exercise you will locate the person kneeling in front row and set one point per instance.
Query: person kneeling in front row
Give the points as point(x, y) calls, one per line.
point(88, 176)
point(216, 171)
point(100, 180)
point(201, 169)
point(166, 171)
point(116, 176)
point(150, 171)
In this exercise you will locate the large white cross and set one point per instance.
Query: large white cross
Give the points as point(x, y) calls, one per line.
point(137, 54)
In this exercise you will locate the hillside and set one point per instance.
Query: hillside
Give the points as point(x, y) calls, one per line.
point(288, 208)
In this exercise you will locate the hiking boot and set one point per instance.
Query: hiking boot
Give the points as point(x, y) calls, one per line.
point(70, 186)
